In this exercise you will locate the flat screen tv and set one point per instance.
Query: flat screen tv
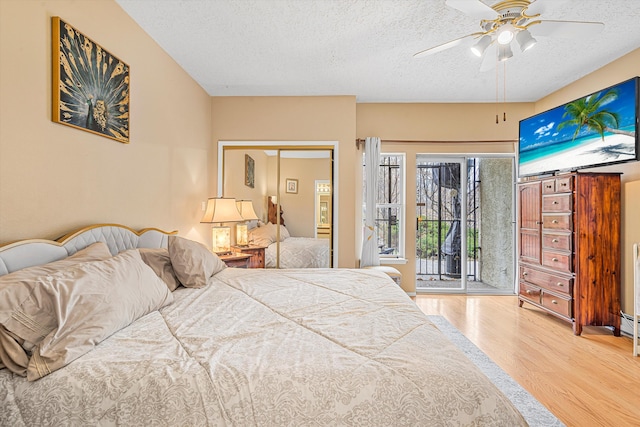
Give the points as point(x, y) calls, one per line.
point(596, 130)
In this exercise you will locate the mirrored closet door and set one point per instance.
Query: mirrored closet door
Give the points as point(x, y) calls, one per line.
point(291, 189)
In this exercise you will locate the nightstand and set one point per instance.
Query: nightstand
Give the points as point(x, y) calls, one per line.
point(256, 253)
point(236, 260)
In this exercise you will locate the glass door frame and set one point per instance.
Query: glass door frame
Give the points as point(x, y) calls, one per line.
point(452, 158)
point(461, 161)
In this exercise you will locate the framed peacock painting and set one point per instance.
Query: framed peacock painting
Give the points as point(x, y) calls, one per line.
point(90, 85)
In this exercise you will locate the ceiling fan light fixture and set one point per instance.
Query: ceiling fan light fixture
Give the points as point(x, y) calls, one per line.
point(504, 52)
point(482, 44)
point(506, 34)
point(525, 40)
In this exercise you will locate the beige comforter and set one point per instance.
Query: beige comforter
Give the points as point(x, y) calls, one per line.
point(269, 348)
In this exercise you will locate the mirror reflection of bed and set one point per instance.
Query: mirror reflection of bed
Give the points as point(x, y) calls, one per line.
point(291, 188)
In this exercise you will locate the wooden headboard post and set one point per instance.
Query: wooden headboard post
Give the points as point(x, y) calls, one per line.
point(272, 213)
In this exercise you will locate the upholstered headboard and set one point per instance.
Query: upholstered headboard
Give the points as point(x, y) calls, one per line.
point(27, 253)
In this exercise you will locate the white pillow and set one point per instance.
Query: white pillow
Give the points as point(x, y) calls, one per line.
point(160, 263)
point(21, 311)
point(93, 301)
point(192, 262)
point(264, 235)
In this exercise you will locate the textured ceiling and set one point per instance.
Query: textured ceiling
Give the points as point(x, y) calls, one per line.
point(365, 48)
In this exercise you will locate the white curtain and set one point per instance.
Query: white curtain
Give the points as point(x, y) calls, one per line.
point(370, 253)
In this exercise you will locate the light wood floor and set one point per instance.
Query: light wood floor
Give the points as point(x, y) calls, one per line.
point(587, 380)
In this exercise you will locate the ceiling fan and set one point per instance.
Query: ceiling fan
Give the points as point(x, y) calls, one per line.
point(506, 21)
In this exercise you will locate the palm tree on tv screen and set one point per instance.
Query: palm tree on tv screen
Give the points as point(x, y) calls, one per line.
point(588, 112)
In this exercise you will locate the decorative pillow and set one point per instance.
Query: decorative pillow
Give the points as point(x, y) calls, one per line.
point(264, 235)
point(284, 233)
point(160, 263)
point(21, 312)
point(91, 302)
point(192, 262)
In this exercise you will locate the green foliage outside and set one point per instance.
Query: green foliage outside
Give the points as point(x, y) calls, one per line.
point(427, 244)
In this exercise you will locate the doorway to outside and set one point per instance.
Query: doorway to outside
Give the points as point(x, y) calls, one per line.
point(465, 224)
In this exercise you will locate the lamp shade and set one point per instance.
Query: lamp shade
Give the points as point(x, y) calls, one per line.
point(504, 52)
point(245, 207)
point(479, 48)
point(525, 40)
point(221, 209)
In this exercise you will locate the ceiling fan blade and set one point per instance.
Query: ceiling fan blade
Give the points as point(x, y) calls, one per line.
point(474, 8)
point(540, 6)
point(459, 41)
point(565, 28)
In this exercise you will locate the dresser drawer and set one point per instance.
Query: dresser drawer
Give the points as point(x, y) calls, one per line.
point(546, 280)
point(556, 303)
point(531, 293)
point(556, 241)
point(556, 203)
point(557, 261)
point(557, 185)
point(549, 186)
point(556, 222)
point(564, 184)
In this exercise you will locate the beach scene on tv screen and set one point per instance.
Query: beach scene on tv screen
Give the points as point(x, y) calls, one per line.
point(597, 129)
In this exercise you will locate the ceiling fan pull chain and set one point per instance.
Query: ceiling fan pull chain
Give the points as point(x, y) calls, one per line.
point(504, 92)
point(497, 90)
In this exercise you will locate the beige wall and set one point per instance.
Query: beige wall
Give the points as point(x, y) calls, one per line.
point(299, 209)
point(54, 178)
point(234, 183)
point(330, 118)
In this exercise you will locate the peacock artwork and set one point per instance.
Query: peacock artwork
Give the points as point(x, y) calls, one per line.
point(90, 85)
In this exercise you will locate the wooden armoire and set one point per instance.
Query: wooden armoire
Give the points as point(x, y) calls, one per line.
point(569, 247)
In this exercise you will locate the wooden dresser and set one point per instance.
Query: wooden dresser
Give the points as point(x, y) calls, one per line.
point(569, 247)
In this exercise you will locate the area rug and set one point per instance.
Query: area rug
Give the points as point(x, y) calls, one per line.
point(533, 411)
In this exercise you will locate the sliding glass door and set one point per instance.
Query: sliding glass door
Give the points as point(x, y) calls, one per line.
point(465, 224)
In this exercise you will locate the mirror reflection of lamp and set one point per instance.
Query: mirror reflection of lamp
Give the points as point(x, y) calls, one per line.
point(219, 211)
point(245, 207)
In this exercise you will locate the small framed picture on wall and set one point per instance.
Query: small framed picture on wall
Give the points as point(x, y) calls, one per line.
point(292, 186)
point(249, 171)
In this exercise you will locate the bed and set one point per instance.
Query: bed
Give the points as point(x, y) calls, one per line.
point(295, 252)
point(300, 347)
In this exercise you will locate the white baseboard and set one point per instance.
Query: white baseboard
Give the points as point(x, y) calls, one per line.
point(626, 324)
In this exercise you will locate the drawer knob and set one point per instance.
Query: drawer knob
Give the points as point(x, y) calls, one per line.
point(555, 221)
point(555, 240)
point(555, 202)
point(554, 259)
point(525, 273)
point(559, 284)
point(528, 291)
point(554, 301)
point(564, 184)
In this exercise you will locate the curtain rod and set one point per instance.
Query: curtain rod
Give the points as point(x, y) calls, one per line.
point(361, 141)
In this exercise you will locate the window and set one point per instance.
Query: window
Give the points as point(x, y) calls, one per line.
point(389, 205)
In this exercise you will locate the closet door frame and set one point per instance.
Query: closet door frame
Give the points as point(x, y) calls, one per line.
point(290, 145)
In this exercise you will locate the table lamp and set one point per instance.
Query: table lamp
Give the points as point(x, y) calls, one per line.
point(220, 210)
point(245, 207)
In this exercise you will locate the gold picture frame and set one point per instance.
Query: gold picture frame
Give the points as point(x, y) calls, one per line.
point(249, 171)
point(90, 86)
point(291, 186)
